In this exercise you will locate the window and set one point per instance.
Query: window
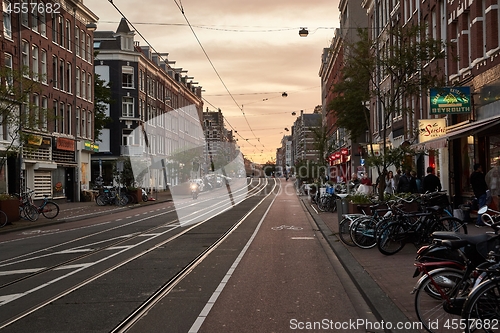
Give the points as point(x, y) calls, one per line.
point(43, 23)
point(127, 77)
point(54, 28)
point(54, 71)
point(25, 57)
point(60, 29)
point(68, 119)
point(82, 91)
point(77, 41)
point(89, 125)
point(77, 114)
point(7, 21)
point(62, 119)
point(43, 67)
point(8, 66)
point(68, 77)
point(77, 79)
point(61, 74)
point(89, 87)
point(34, 55)
point(25, 13)
point(89, 49)
point(68, 35)
point(84, 122)
point(34, 16)
point(127, 107)
point(35, 113)
point(82, 43)
point(43, 114)
point(56, 116)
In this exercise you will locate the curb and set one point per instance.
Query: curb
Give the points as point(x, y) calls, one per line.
point(379, 302)
point(48, 222)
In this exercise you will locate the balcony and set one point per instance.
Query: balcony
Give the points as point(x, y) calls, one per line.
point(131, 150)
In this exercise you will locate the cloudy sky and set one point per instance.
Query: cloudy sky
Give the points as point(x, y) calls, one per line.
point(255, 49)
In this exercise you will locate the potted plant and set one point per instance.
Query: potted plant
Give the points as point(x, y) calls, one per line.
point(9, 204)
point(359, 203)
point(135, 192)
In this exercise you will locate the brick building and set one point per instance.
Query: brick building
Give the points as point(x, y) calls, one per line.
point(53, 43)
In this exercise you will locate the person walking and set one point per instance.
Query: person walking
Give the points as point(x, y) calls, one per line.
point(406, 184)
point(479, 186)
point(431, 182)
point(389, 183)
point(396, 178)
point(493, 181)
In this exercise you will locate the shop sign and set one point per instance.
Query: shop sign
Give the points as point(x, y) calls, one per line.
point(65, 144)
point(429, 129)
point(450, 100)
point(34, 140)
point(344, 151)
point(46, 142)
point(91, 146)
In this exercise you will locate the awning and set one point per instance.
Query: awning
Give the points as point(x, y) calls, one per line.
point(470, 129)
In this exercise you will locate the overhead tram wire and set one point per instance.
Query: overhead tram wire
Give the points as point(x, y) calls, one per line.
point(215, 70)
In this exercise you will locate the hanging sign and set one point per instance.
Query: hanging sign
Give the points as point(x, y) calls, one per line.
point(450, 100)
point(429, 129)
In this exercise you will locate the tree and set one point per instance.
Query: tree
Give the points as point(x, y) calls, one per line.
point(402, 63)
point(20, 110)
point(102, 98)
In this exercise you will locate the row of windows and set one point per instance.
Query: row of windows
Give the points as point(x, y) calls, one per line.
point(38, 117)
point(34, 62)
point(61, 28)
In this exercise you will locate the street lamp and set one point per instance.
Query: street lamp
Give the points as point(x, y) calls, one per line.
point(303, 32)
point(91, 26)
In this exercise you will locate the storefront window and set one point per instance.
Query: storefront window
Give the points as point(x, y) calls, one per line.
point(58, 182)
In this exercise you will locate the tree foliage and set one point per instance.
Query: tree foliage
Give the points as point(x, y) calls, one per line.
point(18, 112)
point(102, 98)
point(401, 63)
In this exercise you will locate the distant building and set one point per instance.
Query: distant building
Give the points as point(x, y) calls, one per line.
point(303, 137)
point(157, 110)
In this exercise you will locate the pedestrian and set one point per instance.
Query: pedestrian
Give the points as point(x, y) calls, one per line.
point(365, 186)
point(389, 183)
point(396, 178)
point(479, 186)
point(415, 182)
point(404, 183)
point(431, 182)
point(493, 181)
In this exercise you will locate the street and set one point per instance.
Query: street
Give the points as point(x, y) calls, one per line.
point(256, 263)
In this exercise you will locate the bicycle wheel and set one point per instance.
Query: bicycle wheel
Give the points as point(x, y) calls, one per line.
point(453, 224)
point(31, 212)
point(3, 219)
point(481, 311)
point(332, 205)
point(121, 200)
point(430, 296)
point(50, 210)
point(345, 233)
point(101, 200)
point(363, 233)
point(392, 238)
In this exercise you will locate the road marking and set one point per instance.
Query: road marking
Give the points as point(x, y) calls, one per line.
point(303, 237)
point(21, 271)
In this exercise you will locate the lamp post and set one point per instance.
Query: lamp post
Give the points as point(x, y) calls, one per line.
point(303, 32)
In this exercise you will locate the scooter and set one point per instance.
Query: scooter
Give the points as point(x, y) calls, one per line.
point(144, 195)
point(195, 190)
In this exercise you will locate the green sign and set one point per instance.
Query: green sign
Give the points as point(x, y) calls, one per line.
point(450, 100)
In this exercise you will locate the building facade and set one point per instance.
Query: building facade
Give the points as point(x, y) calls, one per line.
point(53, 47)
point(156, 114)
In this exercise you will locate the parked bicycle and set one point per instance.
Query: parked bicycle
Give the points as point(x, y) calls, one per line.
point(3, 219)
point(27, 210)
point(111, 196)
point(49, 209)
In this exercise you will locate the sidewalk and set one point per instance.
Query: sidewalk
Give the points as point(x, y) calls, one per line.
point(380, 278)
point(75, 211)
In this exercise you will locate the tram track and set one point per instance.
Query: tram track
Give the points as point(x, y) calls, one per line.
point(150, 235)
